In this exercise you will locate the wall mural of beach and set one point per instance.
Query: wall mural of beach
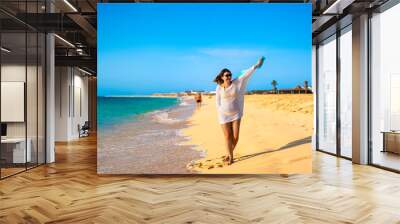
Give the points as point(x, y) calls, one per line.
point(166, 105)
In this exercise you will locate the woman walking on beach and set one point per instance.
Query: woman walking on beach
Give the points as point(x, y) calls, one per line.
point(229, 99)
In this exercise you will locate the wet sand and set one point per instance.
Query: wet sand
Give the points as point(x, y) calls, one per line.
point(151, 144)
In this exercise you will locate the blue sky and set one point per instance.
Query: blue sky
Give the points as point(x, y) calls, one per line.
point(156, 48)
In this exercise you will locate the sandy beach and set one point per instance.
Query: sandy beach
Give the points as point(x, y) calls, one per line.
point(275, 136)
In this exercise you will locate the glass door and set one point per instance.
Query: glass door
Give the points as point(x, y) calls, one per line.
point(14, 153)
point(385, 89)
point(22, 77)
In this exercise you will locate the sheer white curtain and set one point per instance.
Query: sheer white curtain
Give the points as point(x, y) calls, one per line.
point(327, 95)
point(346, 92)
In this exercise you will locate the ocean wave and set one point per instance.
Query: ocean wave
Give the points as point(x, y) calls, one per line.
point(163, 118)
point(184, 103)
point(184, 138)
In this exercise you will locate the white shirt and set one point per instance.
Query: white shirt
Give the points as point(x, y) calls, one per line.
point(230, 100)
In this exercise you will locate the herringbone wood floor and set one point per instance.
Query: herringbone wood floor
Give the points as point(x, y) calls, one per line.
point(70, 191)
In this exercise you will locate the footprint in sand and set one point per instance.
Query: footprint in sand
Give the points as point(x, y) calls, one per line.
point(209, 164)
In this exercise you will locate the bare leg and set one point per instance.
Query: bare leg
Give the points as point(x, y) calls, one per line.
point(227, 129)
point(235, 130)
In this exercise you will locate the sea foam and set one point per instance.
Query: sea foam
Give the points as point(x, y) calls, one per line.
point(163, 118)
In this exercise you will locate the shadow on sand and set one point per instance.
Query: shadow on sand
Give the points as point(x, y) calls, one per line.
point(287, 146)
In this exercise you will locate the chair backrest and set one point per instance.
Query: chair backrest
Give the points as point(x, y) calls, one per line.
point(86, 125)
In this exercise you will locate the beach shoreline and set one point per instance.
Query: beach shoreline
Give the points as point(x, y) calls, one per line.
point(131, 148)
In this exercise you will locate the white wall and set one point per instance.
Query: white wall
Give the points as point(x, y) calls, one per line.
point(33, 127)
point(16, 72)
point(80, 110)
point(13, 72)
point(62, 83)
point(13, 101)
point(71, 87)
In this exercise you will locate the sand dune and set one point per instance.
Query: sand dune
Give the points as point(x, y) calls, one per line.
point(275, 136)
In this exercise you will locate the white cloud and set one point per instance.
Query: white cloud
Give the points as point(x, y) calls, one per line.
point(231, 52)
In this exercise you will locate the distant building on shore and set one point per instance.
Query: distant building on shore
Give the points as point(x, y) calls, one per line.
point(305, 89)
point(296, 90)
point(194, 92)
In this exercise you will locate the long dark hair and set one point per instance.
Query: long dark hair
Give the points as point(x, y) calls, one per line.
point(219, 79)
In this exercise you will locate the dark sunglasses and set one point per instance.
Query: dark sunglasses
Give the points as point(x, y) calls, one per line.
point(229, 75)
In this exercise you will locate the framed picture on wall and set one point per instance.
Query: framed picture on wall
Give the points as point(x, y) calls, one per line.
point(204, 88)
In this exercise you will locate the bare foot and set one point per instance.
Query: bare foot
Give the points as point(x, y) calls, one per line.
point(230, 161)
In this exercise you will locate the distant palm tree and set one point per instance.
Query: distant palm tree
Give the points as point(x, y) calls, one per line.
point(305, 86)
point(274, 83)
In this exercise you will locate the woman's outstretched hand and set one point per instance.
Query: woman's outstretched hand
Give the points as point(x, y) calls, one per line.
point(260, 62)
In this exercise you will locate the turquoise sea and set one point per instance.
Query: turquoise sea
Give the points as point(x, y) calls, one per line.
point(117, 110)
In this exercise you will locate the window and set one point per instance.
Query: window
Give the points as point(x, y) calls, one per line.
point(327, 95)
point(385, 89)
point(23, 80)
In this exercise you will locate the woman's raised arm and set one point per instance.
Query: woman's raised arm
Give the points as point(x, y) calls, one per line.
point(247, 73)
